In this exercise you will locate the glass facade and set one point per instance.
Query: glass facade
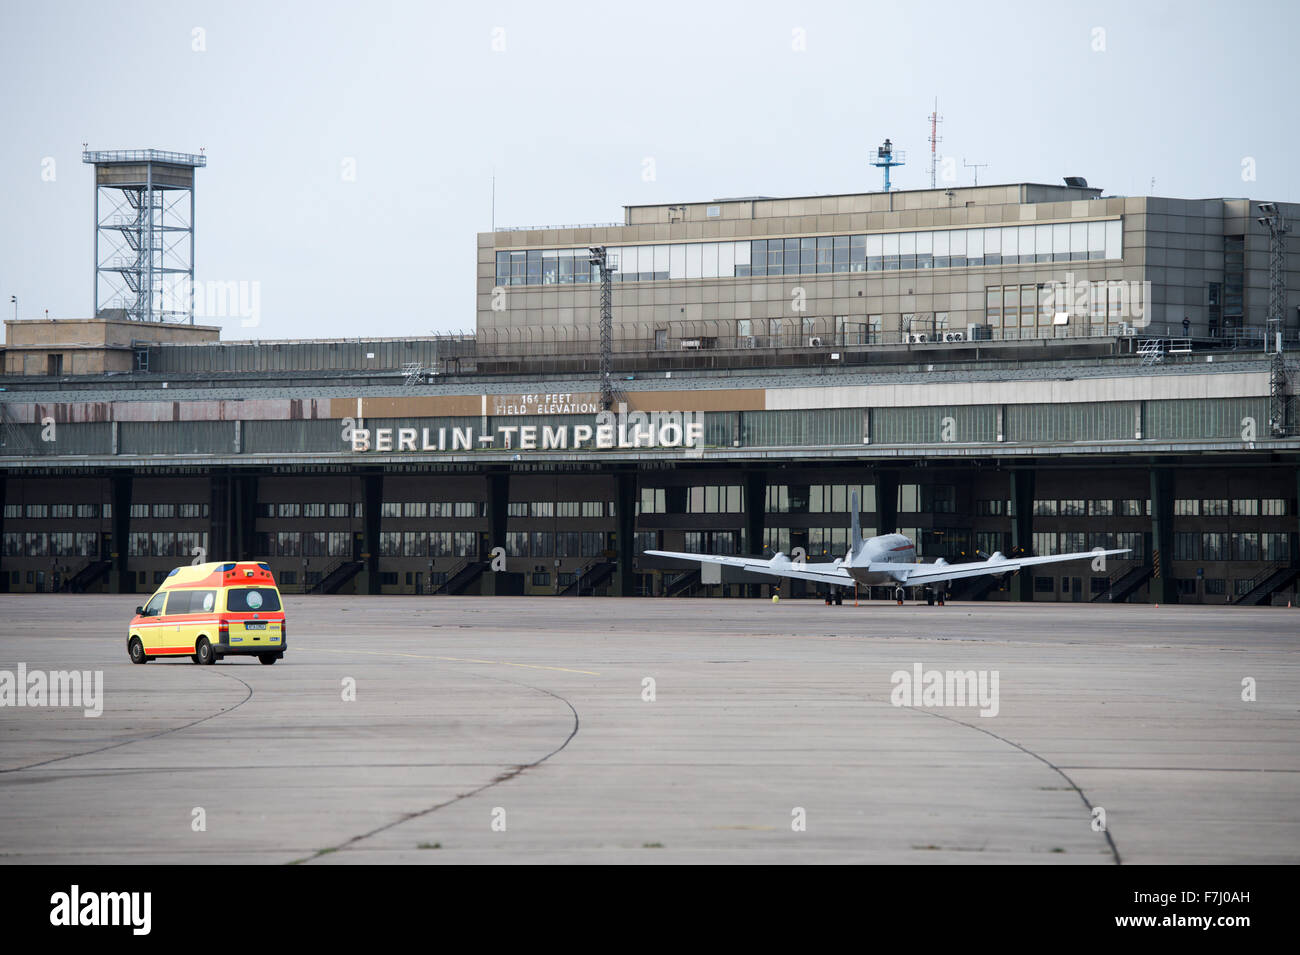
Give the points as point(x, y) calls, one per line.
point(878, 252)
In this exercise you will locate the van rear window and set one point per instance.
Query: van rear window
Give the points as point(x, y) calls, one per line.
point(250, 599)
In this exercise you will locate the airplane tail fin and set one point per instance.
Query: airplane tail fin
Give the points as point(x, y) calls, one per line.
point(855, 522)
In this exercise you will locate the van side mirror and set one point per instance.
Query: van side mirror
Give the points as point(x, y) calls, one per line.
point(139, 611)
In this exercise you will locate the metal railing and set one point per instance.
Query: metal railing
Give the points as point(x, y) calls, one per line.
point(570, 225)
point(101, 156)
point(709, 335)
point(1250, 585)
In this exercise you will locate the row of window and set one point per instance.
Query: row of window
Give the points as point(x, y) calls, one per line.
point(16, 511)
point(1098, 507)
point(304, 544)
point(701, 499)
point(818, 498)
point(1237, 507)
point(890, 251)
point(710, 499)
point(1239, 545)
point(712, 542)
point(186, 544)
point(51, 544)
point(429, 544)
point(1074, 542)
point(169, 511)
point(1009, 306)
point(552, 544)
point(561, 508)
point(315, 509)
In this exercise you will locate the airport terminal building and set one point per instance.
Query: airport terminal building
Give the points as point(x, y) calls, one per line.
point(1020, 368)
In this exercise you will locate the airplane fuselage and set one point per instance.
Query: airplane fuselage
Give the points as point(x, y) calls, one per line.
point(885, 549)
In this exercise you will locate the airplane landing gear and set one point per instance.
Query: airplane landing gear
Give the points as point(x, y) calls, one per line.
point(898, 595)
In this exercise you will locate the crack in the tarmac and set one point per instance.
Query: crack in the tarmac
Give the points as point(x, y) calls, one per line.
point(1114, 850)
point(500, 778)
point(141, 739)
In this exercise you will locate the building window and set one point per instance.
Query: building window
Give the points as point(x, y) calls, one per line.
point(1275, 546)
point(714, 499)
point(1245, 546)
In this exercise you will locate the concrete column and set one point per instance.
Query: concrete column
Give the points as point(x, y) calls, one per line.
point(243, 519)
point(1164, 588)
point(4, 572)
point(372, 494)
point(1294, 543)
point(498, 510)
point(755, 521)
point(625, 537)
point(887, 501)
point(119, 582)
point(1022, 531)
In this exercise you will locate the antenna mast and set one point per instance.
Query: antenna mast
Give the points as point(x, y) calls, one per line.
point(935, 139)
point(977, 166)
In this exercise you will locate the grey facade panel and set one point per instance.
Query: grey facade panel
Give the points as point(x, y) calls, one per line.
point(1085, 421)
point(832, 426)
point(963, 425)
point(389, 356)
point(1205, 418)
point(295, 435)
point(176, 437)
point(91, 438)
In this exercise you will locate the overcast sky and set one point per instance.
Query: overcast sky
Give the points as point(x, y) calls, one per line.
point(579, 109)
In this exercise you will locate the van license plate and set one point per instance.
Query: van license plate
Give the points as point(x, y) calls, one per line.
point(255, 626)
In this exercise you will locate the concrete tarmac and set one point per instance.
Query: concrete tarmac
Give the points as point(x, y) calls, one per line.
point(522, 730)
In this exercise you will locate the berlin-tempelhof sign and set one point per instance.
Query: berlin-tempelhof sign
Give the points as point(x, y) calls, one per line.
point(608, 431)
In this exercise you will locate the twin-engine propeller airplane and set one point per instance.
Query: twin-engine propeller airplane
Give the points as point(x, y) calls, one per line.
point(889, 559)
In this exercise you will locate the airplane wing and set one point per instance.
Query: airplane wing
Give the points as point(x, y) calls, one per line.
point(920, 574)
point(778, 566)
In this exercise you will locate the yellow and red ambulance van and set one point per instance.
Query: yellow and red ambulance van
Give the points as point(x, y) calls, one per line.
point(209, 611)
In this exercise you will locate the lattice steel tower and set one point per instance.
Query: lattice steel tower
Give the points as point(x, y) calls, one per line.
point(607, 264)
point(144, 234)
point(1273, 220)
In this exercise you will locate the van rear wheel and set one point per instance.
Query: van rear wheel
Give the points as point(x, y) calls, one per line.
point(203, 653)
point(268, 658)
